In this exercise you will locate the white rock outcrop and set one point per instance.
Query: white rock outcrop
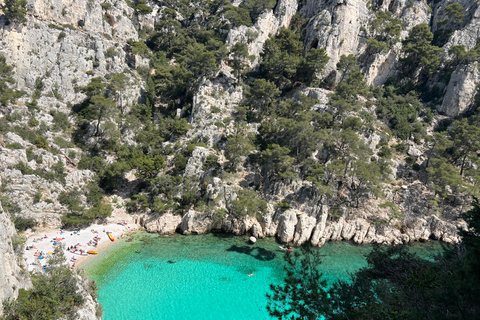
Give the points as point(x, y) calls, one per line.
point(165, 224)
point(268, 23)
point(461, 90)
point(287, 222)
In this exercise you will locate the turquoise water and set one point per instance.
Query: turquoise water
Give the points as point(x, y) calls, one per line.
point(203, 277)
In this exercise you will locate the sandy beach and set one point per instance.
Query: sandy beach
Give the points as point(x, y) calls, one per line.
point(41, 244)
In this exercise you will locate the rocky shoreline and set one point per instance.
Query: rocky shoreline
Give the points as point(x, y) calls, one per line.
point(294, 227)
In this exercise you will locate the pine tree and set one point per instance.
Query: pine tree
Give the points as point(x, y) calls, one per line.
point(15, 10)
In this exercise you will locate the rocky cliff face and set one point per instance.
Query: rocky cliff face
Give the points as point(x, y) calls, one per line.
point(13, 271)
point(23, 187)
point(64, 44)
point(268, 23)
point(312, 221)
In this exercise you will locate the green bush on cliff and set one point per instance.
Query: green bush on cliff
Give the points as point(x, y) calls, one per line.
point(248, 204)
point(54, 294)
point(22, 224)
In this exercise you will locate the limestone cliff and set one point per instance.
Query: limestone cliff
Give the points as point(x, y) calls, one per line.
point(13, 271)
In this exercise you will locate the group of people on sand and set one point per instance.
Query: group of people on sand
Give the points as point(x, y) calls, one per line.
point(67, 236)
point(74, 249)
point(39, 254)
point(73, 260)
point(94, 241)
point(39, 239)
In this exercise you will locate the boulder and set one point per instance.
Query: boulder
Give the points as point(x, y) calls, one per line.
point(257, 231)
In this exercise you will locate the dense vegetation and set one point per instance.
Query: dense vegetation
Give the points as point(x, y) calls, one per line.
point(54, 294)
point(396, 284)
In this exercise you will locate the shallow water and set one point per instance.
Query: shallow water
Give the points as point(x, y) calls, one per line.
point(204, 277)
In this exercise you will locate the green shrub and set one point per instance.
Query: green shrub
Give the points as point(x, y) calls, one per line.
point(68, 26)
point(106, 6)
point(111, 52)
point(282, 205)
point(14, 146)
point(180, 162)
point(139, 48)
point(60, 121)
point(32, 155)
point(23, 168)
point(248, 204)
point(22, 224)
point(37, 197)
point(401, 147)
point(94, 194)
point(54, 26)
point(99, 211)
point(33, 122)
point(61, 35)
point(25, 133)
point(72, 201)
point(95, 164)
point(385, 152)
point(42, 142)
point(62, 143)
point(211, 162)
point(73, 220)
point(54, 150)
point(187, 152)
point(143, 9)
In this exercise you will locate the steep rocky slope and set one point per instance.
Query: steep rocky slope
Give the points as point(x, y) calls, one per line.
point(13, 274)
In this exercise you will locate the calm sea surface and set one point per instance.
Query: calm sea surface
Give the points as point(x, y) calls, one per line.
point(204, 277)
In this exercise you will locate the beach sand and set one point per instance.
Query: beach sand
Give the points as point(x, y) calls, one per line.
point(70, 238)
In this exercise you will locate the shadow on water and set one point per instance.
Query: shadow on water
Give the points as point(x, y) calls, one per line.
point(221, 235)
point(257, 253)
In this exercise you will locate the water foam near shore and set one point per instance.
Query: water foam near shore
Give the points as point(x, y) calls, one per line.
point(212, 276)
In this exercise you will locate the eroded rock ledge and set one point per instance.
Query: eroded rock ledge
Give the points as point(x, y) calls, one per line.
point(295, 227)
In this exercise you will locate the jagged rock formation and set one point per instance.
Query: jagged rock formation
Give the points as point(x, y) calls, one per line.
point(268, 23)
point(461, 90)
point(64, 44)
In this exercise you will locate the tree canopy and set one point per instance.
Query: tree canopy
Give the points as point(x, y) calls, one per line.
point(396, 284)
